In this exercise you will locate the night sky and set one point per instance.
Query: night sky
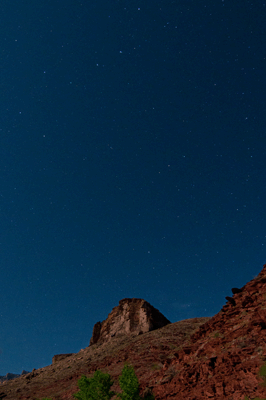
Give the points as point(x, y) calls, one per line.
point(132, 163)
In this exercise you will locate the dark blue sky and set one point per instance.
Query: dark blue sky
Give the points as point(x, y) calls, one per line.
point(132, 163)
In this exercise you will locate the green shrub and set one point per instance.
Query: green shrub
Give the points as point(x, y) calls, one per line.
point(98, 387)
point(262, 373)
point(95, 388)
point(256, 398)
point(129, 384)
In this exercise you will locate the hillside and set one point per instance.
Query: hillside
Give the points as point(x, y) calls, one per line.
point(201, 358)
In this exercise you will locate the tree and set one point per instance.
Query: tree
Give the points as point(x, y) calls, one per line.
point(98, 387)
point(129, 384)
point(95, 388)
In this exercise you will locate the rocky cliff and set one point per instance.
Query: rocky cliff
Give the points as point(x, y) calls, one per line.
point(225, 358)
point(130, 317)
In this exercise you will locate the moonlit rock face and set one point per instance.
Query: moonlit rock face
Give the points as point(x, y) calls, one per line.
point(130, 317)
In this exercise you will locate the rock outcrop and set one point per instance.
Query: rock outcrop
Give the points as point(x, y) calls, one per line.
point(10, 376)
point(130, 317)
point(59, 357)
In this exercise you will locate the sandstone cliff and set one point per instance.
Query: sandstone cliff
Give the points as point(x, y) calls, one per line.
point(130, 317)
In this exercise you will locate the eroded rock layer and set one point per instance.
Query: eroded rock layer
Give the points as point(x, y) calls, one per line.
point(131, 316)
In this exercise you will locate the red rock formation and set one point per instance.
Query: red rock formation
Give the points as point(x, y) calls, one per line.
point(216, 358)
point(131, 316)
point(223, 358)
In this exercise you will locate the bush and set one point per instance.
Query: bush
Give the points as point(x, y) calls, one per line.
point(256, 398)
point(262, 373)
point(98, 387)
point(129, 384)
point(95, 388)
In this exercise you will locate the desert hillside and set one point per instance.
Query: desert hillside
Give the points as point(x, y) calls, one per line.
point(196, 359)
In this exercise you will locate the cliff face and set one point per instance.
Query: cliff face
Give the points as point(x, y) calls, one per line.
point(224, 357)
point(130, 317)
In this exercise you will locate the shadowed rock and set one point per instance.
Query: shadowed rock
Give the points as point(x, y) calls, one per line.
point(96, 333)
point(231, 300)
point(236, 290)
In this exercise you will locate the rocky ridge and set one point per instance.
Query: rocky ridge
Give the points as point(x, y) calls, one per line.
point(218, 358)
point(10, 376)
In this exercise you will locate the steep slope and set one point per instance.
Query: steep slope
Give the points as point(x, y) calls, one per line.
point(146, 352)
point(223, 358)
